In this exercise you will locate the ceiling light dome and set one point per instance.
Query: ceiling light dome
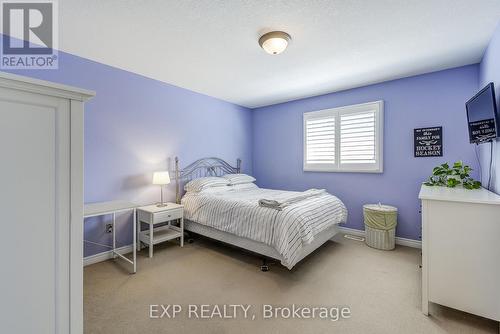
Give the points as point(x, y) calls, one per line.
point(274, 42)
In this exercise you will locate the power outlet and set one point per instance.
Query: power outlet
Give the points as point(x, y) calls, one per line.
point(109, 228)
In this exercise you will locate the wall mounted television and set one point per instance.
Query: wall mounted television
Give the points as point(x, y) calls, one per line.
point(482, 116)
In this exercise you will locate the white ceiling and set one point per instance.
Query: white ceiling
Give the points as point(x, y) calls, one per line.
point(211, 46)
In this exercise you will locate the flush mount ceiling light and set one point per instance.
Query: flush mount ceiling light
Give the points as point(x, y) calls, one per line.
point(274, 42)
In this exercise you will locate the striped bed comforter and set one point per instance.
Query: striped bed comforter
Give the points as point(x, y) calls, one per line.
point(237, 211)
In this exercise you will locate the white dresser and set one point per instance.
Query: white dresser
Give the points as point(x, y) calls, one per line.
point(41, 200)
point(461, 250)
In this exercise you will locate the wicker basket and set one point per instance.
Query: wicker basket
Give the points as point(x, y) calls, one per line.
point(380, 226)
point(380, 239)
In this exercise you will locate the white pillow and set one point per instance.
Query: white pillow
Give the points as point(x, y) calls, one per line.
point(239, 178)
point(216, 190)
point(244, 186)
point(201, 183)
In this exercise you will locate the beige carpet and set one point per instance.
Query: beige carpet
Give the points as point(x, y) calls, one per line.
point(381, 288)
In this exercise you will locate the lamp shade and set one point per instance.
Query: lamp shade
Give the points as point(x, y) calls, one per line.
point(161, 178)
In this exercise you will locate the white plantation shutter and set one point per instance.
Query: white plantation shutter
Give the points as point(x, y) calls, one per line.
point(320, 140)
point(345, 139)
point(357, 138)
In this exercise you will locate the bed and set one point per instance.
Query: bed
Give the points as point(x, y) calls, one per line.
point(232, 214)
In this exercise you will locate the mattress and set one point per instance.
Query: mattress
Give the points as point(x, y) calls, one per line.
point(236, 210)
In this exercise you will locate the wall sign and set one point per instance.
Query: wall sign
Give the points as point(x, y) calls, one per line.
point(428, 142)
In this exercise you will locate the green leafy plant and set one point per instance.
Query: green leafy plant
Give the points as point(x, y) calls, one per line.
point(459, 174)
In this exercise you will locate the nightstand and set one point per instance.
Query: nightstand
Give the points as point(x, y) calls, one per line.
point(154, 215)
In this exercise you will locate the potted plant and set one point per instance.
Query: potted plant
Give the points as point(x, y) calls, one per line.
point(459, 174)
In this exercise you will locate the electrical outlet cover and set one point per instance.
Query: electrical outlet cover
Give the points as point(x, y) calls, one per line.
point(109, 228)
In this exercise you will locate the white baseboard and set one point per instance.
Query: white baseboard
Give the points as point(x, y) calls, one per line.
point(99, 257)
point(399, 241)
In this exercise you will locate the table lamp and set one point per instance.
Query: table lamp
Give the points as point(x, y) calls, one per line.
point(161, 178)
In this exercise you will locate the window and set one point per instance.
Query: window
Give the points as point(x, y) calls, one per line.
point(345, 139)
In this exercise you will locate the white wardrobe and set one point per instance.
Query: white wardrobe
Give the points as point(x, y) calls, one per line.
point(41, 206)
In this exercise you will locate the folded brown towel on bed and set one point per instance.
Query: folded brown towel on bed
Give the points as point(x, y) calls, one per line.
point(269, 203)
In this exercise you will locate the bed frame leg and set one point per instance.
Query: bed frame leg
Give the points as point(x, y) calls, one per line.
point(264, 266)
point(188, 237)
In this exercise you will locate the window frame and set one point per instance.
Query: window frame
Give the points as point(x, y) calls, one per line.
point(376, 167)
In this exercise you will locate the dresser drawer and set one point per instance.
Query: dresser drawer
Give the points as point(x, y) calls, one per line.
point(167, 215)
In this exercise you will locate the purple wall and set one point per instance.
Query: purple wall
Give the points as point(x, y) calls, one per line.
point(134, 126)
point(427, 100)
point(489, 71)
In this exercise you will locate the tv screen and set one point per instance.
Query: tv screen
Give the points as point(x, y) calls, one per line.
point(482, 116)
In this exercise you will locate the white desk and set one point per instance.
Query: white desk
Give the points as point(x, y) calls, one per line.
point(112, 208)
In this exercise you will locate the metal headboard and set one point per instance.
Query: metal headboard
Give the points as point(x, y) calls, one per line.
point(202, 168)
